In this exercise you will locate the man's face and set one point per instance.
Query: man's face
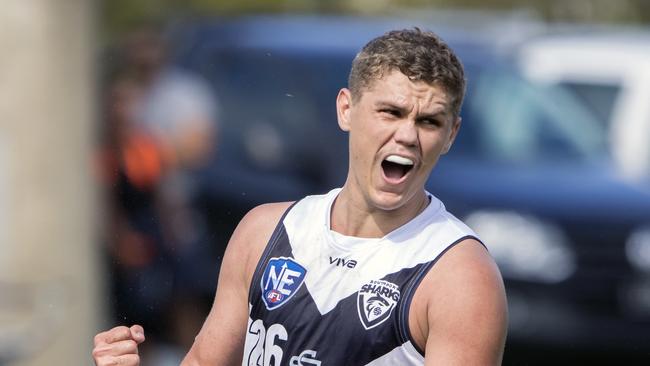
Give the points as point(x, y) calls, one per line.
point(398, 130)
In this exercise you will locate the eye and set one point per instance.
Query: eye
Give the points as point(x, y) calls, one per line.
point(390, 112)
point(431, 122)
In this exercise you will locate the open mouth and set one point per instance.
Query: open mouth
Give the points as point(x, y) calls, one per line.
point(396, 167)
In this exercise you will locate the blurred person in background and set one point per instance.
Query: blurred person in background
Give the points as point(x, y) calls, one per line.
point(177, 106)
point(161, 133)
point(179, 109)
point(131, 170)
point(391, 278)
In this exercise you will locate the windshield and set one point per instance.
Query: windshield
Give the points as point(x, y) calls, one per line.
point(507, 118)
point(275, 102)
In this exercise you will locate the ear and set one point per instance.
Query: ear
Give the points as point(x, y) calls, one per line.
point(454, 132)
point(343, 108)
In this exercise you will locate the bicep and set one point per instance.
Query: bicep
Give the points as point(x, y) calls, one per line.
point(467, 314)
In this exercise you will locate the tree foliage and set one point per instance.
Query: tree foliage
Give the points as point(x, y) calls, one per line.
point(120, 15)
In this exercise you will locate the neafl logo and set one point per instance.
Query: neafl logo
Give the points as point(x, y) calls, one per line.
point(376, 301)
point(281, 279)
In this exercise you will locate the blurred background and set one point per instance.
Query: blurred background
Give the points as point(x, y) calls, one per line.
point(136, 134)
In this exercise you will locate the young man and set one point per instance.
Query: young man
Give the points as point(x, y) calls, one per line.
point(374, 273)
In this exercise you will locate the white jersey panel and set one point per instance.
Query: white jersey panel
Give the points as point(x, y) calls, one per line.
point(421, 240)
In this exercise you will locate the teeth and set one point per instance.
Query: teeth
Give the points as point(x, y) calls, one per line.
point(399, 160)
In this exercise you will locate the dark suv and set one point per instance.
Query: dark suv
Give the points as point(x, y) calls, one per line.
point(529, 170)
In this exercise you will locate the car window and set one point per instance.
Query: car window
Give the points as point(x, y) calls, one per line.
point(515, 120)
point(599, 98)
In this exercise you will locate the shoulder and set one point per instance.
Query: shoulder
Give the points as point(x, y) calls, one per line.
point(467, 276)
point(467, 260)
point(262, 218)
point(462, 298)
point(253, 232)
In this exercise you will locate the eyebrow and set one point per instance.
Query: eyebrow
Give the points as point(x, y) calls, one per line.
point(402, 108)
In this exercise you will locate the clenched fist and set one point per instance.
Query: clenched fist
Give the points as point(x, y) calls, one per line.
point(118, 346)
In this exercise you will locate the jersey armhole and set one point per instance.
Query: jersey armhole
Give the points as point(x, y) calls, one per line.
point(277, 232)
point(403, 318)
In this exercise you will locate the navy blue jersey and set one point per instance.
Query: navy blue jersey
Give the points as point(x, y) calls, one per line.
point(321, 298)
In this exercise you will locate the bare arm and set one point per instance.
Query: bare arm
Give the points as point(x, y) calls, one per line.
point(221, 339)
point(463, 309)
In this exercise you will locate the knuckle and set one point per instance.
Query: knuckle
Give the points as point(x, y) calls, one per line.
point(120, 330)
point(99, 352)
point(130, 360)
point(130, 346)
point(104, 361)
point(118, 333)
point(99, 337)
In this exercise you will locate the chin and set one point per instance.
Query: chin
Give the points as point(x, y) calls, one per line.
point(388, 201)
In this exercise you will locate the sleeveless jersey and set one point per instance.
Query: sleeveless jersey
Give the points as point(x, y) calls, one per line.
point(320, 298)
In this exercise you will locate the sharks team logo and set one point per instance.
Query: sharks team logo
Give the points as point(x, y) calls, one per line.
point(281, 279)
point(376, 301)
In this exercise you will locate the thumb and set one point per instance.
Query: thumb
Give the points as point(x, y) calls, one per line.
point(137, 333)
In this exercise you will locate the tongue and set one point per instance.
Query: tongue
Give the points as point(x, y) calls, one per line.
point(392, 170)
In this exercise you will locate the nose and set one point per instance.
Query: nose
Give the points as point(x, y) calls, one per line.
point(406, 133)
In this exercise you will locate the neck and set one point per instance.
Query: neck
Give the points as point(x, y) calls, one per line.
point(354, 215)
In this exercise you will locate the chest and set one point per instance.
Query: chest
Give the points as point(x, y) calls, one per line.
point(350, 307)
